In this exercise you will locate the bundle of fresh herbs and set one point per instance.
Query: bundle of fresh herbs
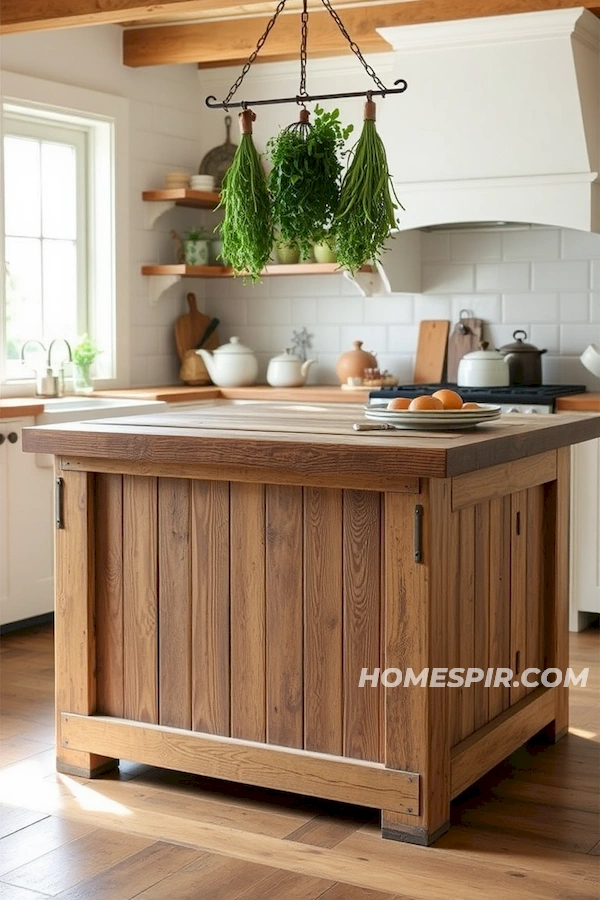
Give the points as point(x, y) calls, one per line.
point(247, 227)
point(366, 209)
point(304, 182)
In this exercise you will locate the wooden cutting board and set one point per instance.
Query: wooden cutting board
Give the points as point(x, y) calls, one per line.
point(189, 330)
point(462, 341)
point(431, 351)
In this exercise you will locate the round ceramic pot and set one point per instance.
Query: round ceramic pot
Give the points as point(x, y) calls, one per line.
point(483, 368)
point(524, 360)
point(196, 253)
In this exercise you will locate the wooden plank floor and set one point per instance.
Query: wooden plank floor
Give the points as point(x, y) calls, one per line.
point(527, 831)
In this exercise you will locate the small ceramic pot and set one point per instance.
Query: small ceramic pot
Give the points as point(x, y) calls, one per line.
point(483, 368)
point(324, 252)
point(196, 253)
point(287, 255)
point(353, 363)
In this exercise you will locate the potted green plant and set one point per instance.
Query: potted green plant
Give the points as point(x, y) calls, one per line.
point(325, 248)
point(195, 247)
point(304, 183)
point(84, 353)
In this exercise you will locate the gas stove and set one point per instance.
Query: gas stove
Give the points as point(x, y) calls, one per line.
point(516, 398)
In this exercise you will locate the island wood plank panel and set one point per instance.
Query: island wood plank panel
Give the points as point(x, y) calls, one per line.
point(482, 611)
point(108, 511)
point(210, 607)
point(323, 621)
point(284, 615)
point(519, 592)
point(248, 612)
point(362, 614)
point(454, 698)
point(74, 626)
point(499, 608)
point(466, 607)
point(140, 598)
point(174, 604)
point(536, 599)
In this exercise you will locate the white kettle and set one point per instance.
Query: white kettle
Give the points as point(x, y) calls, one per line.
point(231, 365)
point(483, 368)
point(288, 370)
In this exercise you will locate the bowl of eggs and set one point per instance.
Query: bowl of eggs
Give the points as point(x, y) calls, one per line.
point(443, 410)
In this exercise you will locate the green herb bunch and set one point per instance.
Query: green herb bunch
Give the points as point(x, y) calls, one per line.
point(84, 352)
point(247, 227)
point(304, 182)
point(196, 234)
point(366, 211)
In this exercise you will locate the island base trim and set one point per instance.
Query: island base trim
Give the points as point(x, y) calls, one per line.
point(280, 768)
point(411, 834)
point(488, 746)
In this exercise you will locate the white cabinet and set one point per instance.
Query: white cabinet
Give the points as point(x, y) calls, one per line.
point(26, 528)
point(585, 532)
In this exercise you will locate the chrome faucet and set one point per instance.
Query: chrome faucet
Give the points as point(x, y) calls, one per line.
point(61, 371)
point(31, 341)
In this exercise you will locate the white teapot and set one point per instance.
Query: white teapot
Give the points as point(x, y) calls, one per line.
point(288, 370)
point(231, 365)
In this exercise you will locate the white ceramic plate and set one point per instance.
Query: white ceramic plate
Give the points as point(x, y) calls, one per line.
point(434, 420)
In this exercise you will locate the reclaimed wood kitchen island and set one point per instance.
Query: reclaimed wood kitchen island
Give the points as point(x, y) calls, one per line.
point(225, 574)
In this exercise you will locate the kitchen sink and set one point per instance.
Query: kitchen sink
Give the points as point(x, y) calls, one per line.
point(62, 403)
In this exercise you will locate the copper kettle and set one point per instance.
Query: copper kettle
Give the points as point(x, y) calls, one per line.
point(524, 360)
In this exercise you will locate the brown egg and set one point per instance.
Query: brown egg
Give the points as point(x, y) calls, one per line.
point(399, 403)
point(471, 406)
point(425, 402)
point(450, 399)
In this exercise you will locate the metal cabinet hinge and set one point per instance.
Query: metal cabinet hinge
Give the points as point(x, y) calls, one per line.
point(59, 486)
point(518, 525)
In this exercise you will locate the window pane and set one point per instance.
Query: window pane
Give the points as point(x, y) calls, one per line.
point(22, 204)
point(23, 293)
point(59, 191)
point(60, 288)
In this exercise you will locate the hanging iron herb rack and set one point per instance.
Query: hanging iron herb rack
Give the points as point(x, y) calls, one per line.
point(303, 96)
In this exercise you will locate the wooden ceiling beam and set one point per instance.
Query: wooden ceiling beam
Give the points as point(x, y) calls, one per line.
point(41, 15)
point(228, 42)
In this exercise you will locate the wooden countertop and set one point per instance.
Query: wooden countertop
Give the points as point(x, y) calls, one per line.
point(14, 407)
point(280, 438)
point(183, 393)
point(589, 402)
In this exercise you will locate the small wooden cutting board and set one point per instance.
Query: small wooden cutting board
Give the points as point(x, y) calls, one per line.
point(431, 351)
point(462, 341)
point(189, 329)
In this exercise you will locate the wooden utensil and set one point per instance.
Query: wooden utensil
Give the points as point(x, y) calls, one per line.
point(189, 330)
point(431, 351)
point(466, 336)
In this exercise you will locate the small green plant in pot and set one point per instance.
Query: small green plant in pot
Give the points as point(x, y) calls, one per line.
point(325, 248)
point(195, 246)
point(84, 354)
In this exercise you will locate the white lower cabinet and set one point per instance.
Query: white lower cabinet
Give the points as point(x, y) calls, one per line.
point(585, 533)
point(26, 528)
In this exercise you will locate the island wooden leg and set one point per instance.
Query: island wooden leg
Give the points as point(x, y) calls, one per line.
point(74, 620)
point(416, 634)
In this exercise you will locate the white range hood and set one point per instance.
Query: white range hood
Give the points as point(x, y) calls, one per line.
point(500, 122)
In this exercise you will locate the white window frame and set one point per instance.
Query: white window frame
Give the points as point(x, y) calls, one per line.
point(107, 120)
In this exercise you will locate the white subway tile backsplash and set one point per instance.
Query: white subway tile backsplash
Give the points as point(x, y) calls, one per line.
point(525, 308)
point(595, 275)
point(595, 310)
point(561, 276)
point(304, 309)
point(428, 307)
point(402, 338)
point(478, 306)
point(574, 339)
point(580, 245)
point(393, 310)
point(341, 310)
point(448, 278)
point(326, 339)
point(531, 244)
point(267, 310)
point(435, 246)
point(465, 246)
point(306, 285)
point(574, 307)
point(145, 338)
point(545, 337)
point(323, 371)
point(230, 310)
point(502, 277)
point(497, 334)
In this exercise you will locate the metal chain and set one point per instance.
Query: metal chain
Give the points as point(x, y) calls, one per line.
point(253, 56)
point(303, 51)
point(353, 46)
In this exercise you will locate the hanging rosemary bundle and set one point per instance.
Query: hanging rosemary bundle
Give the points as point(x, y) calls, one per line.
point(304, 182)
point(366, 210)
point(247, 227)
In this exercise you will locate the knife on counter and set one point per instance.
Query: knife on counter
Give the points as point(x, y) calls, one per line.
point(379, 426)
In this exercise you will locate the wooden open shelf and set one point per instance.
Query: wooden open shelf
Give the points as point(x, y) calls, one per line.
point(184, 197)
point(225, 272)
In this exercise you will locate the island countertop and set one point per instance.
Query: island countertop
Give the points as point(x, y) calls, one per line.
point(310, 440)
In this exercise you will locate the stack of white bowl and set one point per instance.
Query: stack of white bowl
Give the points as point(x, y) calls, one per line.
point(175, 180)
point(202, 183)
